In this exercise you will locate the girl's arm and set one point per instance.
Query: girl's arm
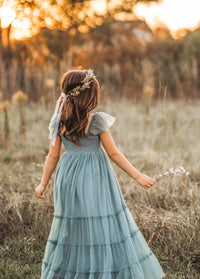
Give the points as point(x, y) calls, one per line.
point(122, 162)
point(49, 166)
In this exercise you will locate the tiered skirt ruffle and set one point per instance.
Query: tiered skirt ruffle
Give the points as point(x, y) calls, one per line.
point(100, 247)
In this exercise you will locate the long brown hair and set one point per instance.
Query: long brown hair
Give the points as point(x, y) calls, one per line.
point(75, 112)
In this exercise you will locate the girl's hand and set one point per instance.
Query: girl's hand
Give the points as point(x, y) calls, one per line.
point(39, 190)
point(145, 181)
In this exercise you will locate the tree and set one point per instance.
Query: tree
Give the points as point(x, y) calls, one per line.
point(59, 25)
point(191, 53)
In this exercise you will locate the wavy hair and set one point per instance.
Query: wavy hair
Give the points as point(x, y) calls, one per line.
point(76, 109)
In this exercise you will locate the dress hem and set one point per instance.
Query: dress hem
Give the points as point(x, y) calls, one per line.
point(105, 271)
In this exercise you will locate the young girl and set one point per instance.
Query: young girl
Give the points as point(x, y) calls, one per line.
point(93, 234)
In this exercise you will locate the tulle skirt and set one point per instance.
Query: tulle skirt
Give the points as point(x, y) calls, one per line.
point(93, 234)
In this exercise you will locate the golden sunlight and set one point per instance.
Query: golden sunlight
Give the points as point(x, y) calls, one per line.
point(22, 29)
point(175, 14)
point(99, 6)
point(7, 15)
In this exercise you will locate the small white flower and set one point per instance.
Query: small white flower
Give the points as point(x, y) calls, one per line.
point(177, 171)
point(182, 169)
point(90, 73)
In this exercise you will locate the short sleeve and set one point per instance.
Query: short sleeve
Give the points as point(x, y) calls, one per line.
point(100, 122)
point(52, 125)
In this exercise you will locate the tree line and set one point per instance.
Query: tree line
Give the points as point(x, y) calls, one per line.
point(126, 55)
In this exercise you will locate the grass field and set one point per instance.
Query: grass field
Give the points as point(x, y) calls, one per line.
point(168, 214)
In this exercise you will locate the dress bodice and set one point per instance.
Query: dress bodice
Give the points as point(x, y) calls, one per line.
point(99, 123)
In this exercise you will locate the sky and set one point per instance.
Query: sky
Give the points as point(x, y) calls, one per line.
point(175, 14)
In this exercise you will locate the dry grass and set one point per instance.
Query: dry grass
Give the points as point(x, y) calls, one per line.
point(168, 214)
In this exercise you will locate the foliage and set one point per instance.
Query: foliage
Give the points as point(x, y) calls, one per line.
point(4, 106)
point(147, 97)
point(125, 54)
point(19, 98)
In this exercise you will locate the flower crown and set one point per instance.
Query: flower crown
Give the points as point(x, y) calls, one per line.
point(55, 119)
point(85, 84)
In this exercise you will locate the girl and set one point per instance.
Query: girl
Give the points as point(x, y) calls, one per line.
point(93, 234)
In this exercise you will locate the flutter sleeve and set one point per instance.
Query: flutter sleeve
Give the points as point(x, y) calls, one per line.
point(100, 122)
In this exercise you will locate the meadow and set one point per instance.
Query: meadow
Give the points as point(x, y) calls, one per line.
point(168, 214)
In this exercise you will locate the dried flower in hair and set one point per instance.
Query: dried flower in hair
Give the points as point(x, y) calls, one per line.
point(86, 84)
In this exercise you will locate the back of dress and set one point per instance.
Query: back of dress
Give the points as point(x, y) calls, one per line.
point(83, 172)
point(99, 123)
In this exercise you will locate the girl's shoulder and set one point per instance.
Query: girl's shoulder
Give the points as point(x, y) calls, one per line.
point(100, 122)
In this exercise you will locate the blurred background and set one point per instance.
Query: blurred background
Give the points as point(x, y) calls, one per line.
point(131, 45)
point(146, 55)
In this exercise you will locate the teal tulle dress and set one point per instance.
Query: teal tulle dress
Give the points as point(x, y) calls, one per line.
point(93, 234)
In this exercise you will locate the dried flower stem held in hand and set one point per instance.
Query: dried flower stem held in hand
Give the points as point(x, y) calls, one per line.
point(178, 171)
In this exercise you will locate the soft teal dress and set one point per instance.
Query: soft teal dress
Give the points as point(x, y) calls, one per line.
point(93, 234)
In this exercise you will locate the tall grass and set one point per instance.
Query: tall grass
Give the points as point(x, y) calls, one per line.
point(167, 214)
